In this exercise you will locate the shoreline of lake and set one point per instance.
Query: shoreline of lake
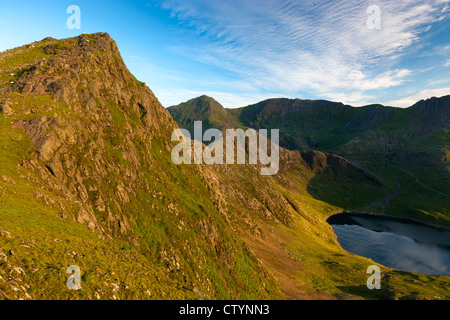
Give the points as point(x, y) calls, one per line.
point(398, 243)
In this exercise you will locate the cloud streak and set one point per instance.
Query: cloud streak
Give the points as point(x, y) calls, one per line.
point(424, 94)
point(321, 47)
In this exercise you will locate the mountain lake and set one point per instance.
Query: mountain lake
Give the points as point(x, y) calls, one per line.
point(396, 243)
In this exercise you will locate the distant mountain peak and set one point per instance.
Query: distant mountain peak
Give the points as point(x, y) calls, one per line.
point(443, 101)
point(434, 109)
point(203, 108)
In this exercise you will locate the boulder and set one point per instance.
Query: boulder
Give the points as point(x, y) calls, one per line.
point(5, 108)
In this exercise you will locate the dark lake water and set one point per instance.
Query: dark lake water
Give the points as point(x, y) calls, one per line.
point(396, 243)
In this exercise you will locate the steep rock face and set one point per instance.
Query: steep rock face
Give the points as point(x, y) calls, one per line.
point(89, 100)
point(437, 108)
point(100, 155)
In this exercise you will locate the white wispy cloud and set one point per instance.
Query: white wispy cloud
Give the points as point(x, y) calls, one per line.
point(425, 94)
point(322, 47)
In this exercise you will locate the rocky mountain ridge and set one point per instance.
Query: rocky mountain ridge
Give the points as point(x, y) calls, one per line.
point(391, 142)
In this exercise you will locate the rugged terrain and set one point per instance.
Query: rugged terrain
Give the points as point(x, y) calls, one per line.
point(409, 147)
point(86, 179)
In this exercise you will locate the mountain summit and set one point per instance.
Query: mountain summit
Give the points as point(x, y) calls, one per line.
point(86, 144)
point(205, 109)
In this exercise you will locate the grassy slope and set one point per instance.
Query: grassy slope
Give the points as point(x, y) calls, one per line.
point(42, 243)
point(205, 109)
point(304, 256)
point(177, 243)
point(330, 268)
point(302, 253)
point(392, 143)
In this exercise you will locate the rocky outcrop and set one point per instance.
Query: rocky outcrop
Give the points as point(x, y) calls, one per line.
point(5, 108)
point(99, 154)
point(89, 98)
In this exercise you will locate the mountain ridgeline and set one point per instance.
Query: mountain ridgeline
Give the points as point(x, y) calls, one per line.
point(87, 180)
point(317, 124)
point(409, 146)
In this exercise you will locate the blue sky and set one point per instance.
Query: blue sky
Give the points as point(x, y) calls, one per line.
point(244, 51)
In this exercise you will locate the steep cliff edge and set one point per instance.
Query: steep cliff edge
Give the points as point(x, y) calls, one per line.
point(85, 141)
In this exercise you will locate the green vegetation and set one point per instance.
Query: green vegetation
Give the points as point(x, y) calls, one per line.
point(92, 184)
point(204, 109)
point(86, 179)
point(392, 143)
